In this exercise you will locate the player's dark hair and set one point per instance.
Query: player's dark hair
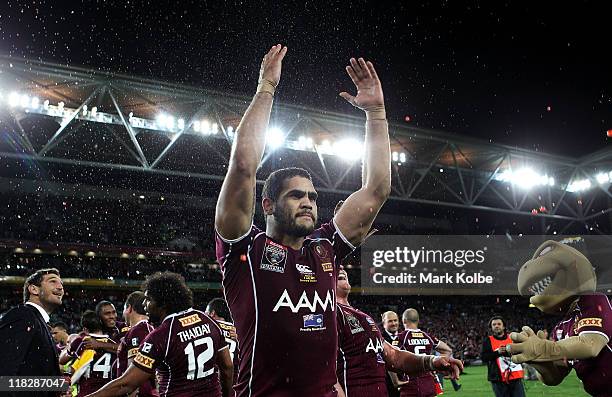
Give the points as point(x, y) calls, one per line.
point(36, 279)
point(219, 306)
point(60, 324)
point(91, 321)
point(136, 301)
point(169, 290)
point(101, 304)
point(274, 183)
point(497, 317)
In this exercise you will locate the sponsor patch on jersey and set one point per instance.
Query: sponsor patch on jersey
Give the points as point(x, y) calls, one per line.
point(395, 343)
point(125, 330)
point(190, 320)
point(354, 324)
point(327, 267)
point(313, 322)
point(417, 335)
point(146, 347)
point(274, 257)
point(132, 352)
point(559, 334)
point(145, 361)
point(306, 273)
point(590, 322)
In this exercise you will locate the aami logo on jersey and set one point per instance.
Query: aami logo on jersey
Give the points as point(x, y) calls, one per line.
point(274, 257)
point(305, 302)
point(306, 274)
point(313, 322)
point(190, 320)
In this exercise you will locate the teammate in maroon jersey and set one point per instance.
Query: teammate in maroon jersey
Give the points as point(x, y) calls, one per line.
point(97, 372)
point(136, 318)
point(416, 341)
point(187, 350)
point(217, 310)
point(280, 283)
point(363, 354)
point(114, 329)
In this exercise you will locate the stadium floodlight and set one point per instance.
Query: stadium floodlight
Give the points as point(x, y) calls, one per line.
point(395, 156)
point(579, 185)
point(24, 101)
point(402, 157)
point(46, 104)
point(348, 149)
point(13, 99)
point(275, 138)
point(161, 120)
point(94, 110)
point(181, 123)
point(84, 110)
point(230, 131)
point(196, 125)
point(205, 127)
point(34, 102)
point(170, 122)
point(215, 128)
point(603, 177)
point(60, 106)
point(525, 178)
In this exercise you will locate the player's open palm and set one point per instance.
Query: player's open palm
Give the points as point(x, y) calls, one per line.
point(271, 64)
point(369, 90)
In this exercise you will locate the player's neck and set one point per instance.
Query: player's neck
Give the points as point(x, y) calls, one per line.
point(46, 307)
point(137, 318)
point(285, 239)
point(343, 300)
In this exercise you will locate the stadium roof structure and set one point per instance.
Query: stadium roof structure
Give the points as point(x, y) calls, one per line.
point(63, 115)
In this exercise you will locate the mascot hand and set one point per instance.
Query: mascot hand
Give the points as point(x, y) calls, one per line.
point(528, 346)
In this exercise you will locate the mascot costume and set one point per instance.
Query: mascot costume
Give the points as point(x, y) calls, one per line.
point(561, 280)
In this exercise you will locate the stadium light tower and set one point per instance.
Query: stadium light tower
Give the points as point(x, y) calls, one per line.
point(275, 138)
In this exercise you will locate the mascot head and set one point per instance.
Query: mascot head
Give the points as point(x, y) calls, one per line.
point(555, 275)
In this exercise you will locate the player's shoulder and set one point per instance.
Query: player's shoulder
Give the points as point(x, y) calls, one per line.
point(596, 299)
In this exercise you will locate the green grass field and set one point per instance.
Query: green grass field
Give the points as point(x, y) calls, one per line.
point(475, 384)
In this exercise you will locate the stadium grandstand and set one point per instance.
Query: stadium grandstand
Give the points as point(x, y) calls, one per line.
point(111, 177)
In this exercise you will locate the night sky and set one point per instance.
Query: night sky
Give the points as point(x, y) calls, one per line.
point(532, 75)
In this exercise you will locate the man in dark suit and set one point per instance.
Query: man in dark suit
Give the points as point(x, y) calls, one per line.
point(390, 331)
point(28, 348)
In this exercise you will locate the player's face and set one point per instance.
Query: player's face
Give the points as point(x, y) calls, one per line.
point(108, 315)
point(59, 334)
point(295, 211)
point(391, 322)
point(152, 309)
point(51, 290)
point(497, 326)
point(343, 287)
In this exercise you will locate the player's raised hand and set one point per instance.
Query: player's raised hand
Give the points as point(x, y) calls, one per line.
point(271, 65)
point(448, 365)
point(369, 90)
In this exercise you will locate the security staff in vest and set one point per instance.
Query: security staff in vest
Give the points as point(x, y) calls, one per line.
point(28, 348)
point(506, 377)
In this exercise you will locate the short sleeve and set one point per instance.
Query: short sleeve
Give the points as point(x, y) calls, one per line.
point(150, 353)
point(595, 315)
point(228, 251)
point(132, 342)
point(342, 247)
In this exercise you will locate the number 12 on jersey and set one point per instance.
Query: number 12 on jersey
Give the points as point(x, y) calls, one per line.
point(202, 358)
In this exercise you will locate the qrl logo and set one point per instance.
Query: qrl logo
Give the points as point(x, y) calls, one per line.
point(305, 302)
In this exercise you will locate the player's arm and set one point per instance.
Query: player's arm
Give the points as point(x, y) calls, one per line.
point(235, 205)
point(226, 371)
point(396, 380)
point(16, 335)
point(444, 349)
point(125, 384)
point(93, 344)
point(355, 217)
point(412, 364)
point(528, 347)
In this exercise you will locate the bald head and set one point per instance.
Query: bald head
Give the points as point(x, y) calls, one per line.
point(410, 317)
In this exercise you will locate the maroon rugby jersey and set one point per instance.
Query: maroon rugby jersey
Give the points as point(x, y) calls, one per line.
point(229, 333)
point(183, 352)
point(360, 354)
point(127, 350)
point(418, 342)
point(283, 303)
point(100, 368)
point(593, 314)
